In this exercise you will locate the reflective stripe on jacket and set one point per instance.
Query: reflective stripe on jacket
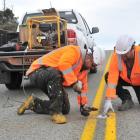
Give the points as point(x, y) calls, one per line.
point(82, 99)
point(68, 60)
point(118, 69)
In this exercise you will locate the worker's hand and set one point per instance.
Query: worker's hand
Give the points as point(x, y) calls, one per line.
point(85, 110)
point(108, 106)
point(77, 86)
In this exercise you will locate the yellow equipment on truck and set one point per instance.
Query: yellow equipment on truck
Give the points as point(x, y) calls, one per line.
point(40, 35)
point(45, 32)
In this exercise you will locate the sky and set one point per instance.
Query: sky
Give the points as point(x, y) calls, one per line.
point(113, 17)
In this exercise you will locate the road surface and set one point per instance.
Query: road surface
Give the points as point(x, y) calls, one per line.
point(30, 126)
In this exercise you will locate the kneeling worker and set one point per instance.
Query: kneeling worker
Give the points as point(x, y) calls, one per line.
point(65, 66)
point(124, 71)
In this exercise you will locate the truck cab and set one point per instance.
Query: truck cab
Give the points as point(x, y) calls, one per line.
point(78, 30)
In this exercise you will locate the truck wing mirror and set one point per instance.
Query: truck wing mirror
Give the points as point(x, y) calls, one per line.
point(95, 30)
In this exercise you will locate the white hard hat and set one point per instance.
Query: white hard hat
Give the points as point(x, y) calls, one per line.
point(124, 44)
point(98, 55)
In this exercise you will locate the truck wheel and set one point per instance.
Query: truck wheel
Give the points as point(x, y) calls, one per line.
point(93, 69)
point(16, 79)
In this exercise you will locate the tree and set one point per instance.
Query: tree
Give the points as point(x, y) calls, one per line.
point(8, 15)
point(8, 20)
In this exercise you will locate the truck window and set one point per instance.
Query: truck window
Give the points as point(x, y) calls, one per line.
point(86, 25)
point(69, 16)
point(30, 15)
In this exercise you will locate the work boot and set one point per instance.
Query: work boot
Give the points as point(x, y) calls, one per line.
point(127, 104)
point(26, 105)
point(58, 118)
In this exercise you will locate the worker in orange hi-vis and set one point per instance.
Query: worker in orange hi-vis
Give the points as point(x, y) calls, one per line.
point(66, 66)
point(124, 71)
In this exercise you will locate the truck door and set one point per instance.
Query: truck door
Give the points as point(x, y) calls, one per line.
point(88, 34)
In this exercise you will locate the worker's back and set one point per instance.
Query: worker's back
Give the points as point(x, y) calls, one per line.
point(68, 55)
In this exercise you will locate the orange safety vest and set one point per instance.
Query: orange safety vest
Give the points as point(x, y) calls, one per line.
point(69, 61)
point(118, 69)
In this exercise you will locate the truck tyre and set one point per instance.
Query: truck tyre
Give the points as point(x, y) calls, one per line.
point(15, 82)
point(93, 69)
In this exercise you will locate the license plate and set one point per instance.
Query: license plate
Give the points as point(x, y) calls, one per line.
point(29, 60)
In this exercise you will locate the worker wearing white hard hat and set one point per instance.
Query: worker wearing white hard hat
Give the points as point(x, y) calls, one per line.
point(50, 73)
point(124, 44)
point(124, 71)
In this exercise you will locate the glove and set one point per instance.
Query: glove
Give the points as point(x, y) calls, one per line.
point(77, 86)
point(85, 110)
point(108, 106)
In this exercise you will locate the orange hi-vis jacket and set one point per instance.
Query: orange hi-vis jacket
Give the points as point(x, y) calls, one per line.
point(118, 69)
point(69, 61)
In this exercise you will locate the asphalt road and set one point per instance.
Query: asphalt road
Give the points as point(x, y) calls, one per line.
point(31, 126)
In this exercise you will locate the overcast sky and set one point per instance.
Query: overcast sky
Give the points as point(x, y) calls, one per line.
point(113, 17)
